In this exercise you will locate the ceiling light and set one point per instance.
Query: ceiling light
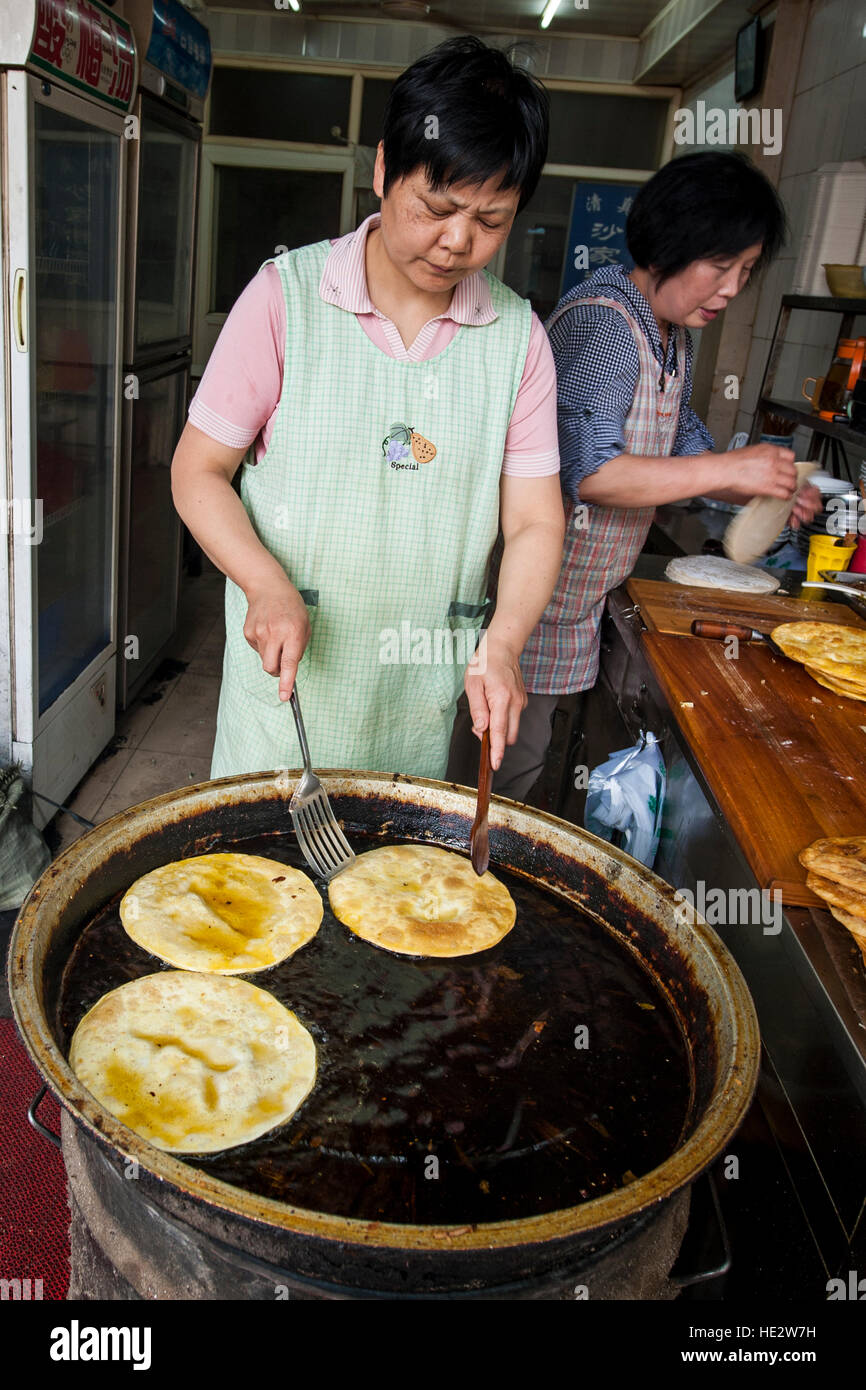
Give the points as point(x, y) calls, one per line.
point(549, 11)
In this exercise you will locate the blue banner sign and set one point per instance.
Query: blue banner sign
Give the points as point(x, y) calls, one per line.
point(596, 233)
point(180, 47)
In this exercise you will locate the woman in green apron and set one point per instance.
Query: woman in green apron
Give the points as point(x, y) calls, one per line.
point(357, 553)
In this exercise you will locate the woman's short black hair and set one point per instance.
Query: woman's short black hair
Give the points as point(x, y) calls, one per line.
point(490, 116)
point(714, 203)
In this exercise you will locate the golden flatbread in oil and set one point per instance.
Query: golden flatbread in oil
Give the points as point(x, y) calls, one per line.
point(227, 914)
point(194, 1063)
point(838, 894)
point(841, 858)
point(418, 900)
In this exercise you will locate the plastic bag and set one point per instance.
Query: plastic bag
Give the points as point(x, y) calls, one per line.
point(23, 852)
point(626, 794)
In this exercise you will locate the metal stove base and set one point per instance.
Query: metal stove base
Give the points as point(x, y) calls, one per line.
point(189, 1266)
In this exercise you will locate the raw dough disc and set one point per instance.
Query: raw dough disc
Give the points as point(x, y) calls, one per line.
point(194, 1063)
point(422, 901)
point(227, 914)
point(712, 572)
point(753, 530)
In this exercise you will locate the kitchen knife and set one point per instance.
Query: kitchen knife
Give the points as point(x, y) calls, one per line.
point(720, 628)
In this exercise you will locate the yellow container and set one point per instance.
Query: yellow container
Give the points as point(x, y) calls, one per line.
point(826, 554)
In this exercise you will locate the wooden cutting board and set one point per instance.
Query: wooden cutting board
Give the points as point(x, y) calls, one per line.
point(667, 607)
point(784, 756)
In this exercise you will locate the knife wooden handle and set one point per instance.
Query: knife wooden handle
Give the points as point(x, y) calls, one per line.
point(701, 627)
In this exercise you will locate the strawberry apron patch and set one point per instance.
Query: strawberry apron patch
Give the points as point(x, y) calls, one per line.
point(400, 440)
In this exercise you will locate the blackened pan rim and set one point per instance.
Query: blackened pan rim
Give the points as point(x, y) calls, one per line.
point(737, 1063)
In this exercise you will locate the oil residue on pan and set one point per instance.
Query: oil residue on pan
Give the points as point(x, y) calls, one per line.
point(531, 1077)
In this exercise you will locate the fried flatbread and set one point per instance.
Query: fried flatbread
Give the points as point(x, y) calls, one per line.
point(418, 900)
point(855, 925)
point(838, 894)
point(841, 857)
point(227, 914)
point(834, 648)
point(839, 687)
point(194, 1063)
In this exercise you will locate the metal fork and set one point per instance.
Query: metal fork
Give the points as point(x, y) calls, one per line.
point(323, 844)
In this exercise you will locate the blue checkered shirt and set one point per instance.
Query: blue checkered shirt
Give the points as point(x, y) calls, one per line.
point(596, 373)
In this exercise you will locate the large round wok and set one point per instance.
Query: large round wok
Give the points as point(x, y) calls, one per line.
point(689, 965)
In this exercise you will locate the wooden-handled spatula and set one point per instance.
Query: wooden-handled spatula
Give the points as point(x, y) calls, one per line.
point(479, 847)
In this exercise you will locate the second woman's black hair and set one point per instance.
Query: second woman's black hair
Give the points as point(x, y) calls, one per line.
point(464, 112)
point(712, 203)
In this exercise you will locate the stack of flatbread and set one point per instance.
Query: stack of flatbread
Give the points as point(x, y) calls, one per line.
point(834, 655)
point(837, 873)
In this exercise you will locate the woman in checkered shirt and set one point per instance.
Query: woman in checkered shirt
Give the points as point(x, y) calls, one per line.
point(628, 438)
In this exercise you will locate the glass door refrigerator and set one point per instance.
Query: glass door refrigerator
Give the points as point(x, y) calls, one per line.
point(161, 207)
point(67, 78)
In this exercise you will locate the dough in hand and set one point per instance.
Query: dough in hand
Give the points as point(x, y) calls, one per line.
point(753, 530)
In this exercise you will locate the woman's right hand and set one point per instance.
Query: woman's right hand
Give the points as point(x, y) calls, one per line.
point(758, 470)
point(277, 626)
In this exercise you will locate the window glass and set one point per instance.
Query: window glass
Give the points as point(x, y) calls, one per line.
point(257, 104)
point(609, 131)
point(258, 210)
point(375, 95)
point(536, 244)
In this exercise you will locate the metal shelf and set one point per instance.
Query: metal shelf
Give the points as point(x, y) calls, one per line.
point(824, 303)
point(791, 411)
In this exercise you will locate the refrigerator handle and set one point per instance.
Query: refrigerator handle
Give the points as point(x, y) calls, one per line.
point(19, 309)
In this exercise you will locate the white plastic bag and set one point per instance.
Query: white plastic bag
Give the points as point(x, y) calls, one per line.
point(626, 794)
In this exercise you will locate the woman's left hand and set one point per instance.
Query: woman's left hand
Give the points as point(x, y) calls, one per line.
point(808, 504)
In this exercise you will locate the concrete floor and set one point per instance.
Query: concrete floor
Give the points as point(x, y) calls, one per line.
point(165, 737)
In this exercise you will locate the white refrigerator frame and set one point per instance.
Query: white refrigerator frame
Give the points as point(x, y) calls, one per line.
point(57, 746)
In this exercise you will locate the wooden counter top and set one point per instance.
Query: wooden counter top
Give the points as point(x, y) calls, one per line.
point(784, 757)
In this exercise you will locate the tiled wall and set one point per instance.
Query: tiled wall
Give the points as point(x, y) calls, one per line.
point(827, 124)
point(593, 59)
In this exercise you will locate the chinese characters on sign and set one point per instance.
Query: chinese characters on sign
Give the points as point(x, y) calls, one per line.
point(87, 46)
point(180, 47)
point(596, 235)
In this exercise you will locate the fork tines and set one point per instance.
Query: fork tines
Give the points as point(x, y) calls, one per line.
point(324, 845)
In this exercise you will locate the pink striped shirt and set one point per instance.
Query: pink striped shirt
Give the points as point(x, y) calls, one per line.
point(237, 398)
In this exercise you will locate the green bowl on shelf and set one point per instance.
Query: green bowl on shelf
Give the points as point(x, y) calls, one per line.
point(846, 281)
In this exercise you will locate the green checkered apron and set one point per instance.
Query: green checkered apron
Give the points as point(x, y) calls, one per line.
point(388, 545)
point(602, 543)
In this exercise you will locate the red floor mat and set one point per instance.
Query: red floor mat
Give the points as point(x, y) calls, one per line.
point(34, 1216)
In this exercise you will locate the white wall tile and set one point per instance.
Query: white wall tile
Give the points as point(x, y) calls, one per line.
point(851, 44)
point(818, 59)
point(853, 142)
point(834, 99)
point(800, 135)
